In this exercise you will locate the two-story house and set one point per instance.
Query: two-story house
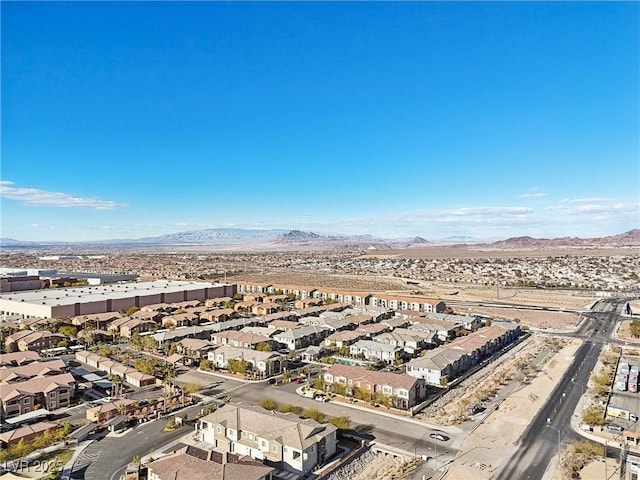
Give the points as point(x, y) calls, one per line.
point(284, 441)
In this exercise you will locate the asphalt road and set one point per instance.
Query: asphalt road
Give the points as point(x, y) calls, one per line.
point(406, 435)
point(544, 437)
point(106, 459)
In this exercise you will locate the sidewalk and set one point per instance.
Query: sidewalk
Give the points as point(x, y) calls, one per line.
point(68, 468)
point(494, 441)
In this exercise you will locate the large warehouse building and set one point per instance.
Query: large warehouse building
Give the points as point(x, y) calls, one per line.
point(70, 302)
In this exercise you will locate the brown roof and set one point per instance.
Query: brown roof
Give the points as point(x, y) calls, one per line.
point(187, 467)
point(36, 385)
point(394, 380)
point(25, 431)
point(18, 358)
point(34, 369)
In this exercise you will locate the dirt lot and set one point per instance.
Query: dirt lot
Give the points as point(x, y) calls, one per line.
point(483, 251)
point(493, 442)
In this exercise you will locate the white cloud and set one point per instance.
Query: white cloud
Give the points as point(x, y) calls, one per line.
point(598, 210)
point(38, 197)
point(34, 225)
point(533, 195)
point(585, 200)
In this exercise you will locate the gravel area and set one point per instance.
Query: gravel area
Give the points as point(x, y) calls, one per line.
point(375, 466)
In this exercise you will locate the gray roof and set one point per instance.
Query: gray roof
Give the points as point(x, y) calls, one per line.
point(73, 295)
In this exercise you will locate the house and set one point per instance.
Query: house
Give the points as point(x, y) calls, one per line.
point(472, 322)
point(284, 325)
point(353, 298)
point(105, 412)
point(301, 292)
point(32, 370)
point(26, 433)
point(217, 302)
point(417, 304)
point(266, 308)
point(180, 320)
point(411, 341)
point(18, 358)
point(35, 341)
point(302, 337)
point(218, 315)
point(438, 367)
point(252, 287)
point(284, 441)
point(264, 364)
point(154, 316)
point(444, 331)
point(307, 302)
point(286, 315)
point(194, 347)
point(314, 353)
point(157, 307)
point(241, 339)
point(375, 351)
point(403, 390)
point(99, 321)
point(192, 463)
point(254, 297)
point(50, 392)
point(372, 329)
point(136, 325)
point(343, 338)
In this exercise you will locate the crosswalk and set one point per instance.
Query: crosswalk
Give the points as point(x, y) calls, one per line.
point(87, 457)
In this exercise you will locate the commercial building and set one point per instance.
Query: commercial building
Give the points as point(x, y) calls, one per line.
point(74, 301)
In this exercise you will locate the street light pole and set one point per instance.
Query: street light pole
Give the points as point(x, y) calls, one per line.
point(557, 430)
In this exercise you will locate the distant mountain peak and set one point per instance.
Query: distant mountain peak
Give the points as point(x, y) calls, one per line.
point(298, 235)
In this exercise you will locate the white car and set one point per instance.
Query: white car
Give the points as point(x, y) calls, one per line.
point(321, 398)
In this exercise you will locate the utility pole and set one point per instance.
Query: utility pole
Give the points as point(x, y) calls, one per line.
point(497, 287)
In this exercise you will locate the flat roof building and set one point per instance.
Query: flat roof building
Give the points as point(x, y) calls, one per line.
point(74, 301)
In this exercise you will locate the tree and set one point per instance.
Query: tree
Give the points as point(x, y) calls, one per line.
point(206, 364)
point(191, 388)
point(239, 366)
point(269, 404)
point(68, 330)
point(319, 383)
point(131, 311)
point(339, 389)
point(314, 414)
point(341, 423)
point(362, 394)
point(263, 347)
point(593, 416)
point(146, 365)
point(634, 328)
point(383, 399)
point(286, 408)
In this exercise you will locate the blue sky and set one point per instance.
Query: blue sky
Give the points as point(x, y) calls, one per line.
point(488, 120)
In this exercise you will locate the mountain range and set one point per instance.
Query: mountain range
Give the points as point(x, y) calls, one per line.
point(279, 239)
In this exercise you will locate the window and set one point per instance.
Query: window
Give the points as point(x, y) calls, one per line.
point(219, 429)
point(26, 401)
point(52, 395)
point(274, 448)
point(296, 454)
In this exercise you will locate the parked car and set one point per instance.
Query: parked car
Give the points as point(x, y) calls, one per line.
point(439, 436)
point(321, 398)
point(615, 428)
